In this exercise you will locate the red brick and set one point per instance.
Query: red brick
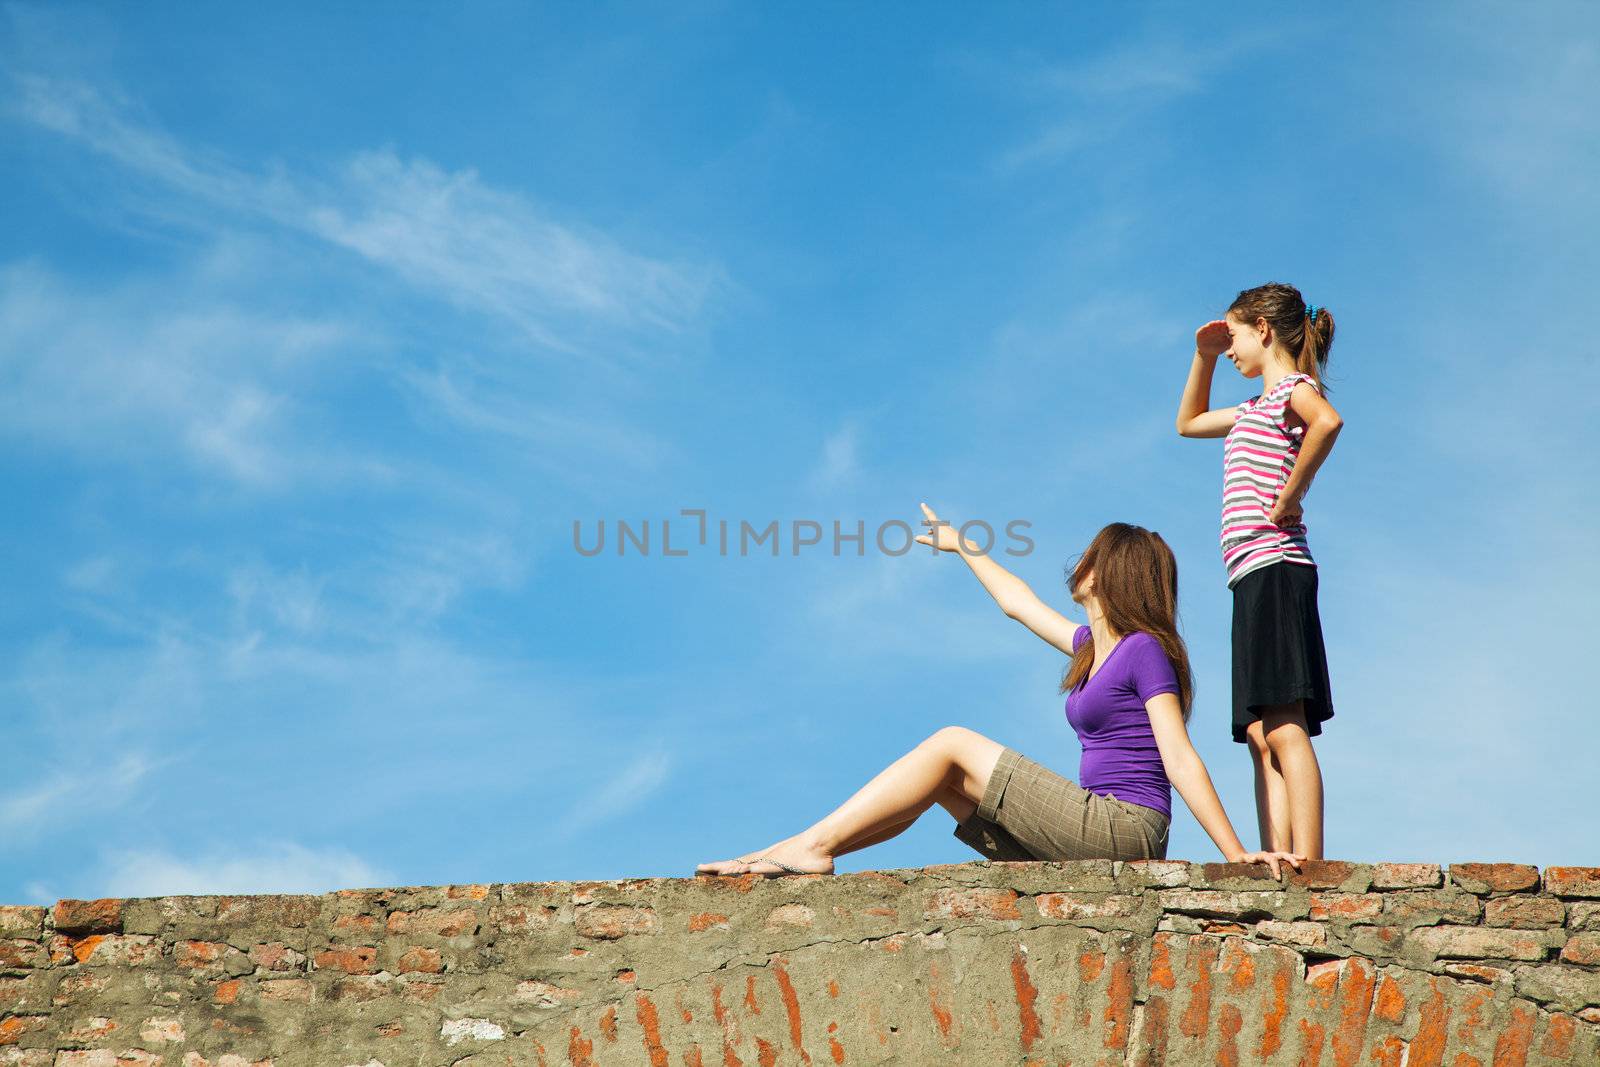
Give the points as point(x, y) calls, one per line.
point(269, 909)
point(17, 953)
point(1478, 972)
point(434, 921)
point(13, 1028)
point(1494, 877)
point(1407, 876)
point(285, 989)
point(357, 925)
point(608, 922)
point(1304, 934)
point(1523, 910)
point(1470, 942)
point(1583, 949)
point(1429, 907)
point(21, 920)
point(1080, 906)
point(1324, 874)
point(197, 953)
point(515, 918)
point(999, 904)
point(358, 960)
point(1573, 881)
point(226, 992)
point(706, 920)
point(1347, 907)
point(103, 916)
point(547, 995)
point(1212, 873)
point(420, 961)
point(276, 956)
point(1225, 905)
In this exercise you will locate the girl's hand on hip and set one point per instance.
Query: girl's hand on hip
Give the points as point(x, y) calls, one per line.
point(943, 535)
point(1211, 340)
point(1285, 512)
point(1272, 859)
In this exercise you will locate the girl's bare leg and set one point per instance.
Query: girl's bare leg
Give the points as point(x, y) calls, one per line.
point(1272, 793)
point(953, 758)
point(959, 807)
point(1284, 726)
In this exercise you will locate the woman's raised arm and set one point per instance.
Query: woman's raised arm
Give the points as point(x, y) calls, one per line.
point(1187, 773)
point(1015, 597)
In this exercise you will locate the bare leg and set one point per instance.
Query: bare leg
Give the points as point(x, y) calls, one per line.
point(953, 758)
point(1272, 794)
point(959, 807)
point(1284, 726)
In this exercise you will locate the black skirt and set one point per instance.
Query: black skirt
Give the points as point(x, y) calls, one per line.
point(1278, 656)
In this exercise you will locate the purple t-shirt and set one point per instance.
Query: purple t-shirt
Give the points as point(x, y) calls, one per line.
point(1107, 711)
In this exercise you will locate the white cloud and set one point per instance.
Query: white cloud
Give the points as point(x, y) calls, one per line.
point(446, 233)
point(272, 867)
point(166, 365)
point(839, 463)
point(95, 786)
point(626, 790)
point(1093, 99)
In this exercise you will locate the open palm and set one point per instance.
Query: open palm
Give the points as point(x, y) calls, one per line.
point(1212, 339)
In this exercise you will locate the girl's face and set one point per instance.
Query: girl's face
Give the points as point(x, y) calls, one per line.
point(1246, 348)
point(1083, 590)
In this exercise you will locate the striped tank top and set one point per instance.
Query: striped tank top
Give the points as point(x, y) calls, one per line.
point(1259, 453)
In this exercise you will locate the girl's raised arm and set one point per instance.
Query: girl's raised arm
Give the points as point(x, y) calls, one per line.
point(1194, 420)
point(1188, 774)
point(1015, 597)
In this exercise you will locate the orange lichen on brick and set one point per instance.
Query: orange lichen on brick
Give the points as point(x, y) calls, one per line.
point(705, 920)
point(1558, 1035)
point(608, 1024)
point(1311, 1038)
point(1026, 995)
point(1390, 1003)
point(1161, 963)
point(1229, 1023)
point(750, 994)
point(1389, 1052)
point(1355, 1003)
point(791, 1007)
point(226, 992)
point(1277, 1009)
point(1119, 1003)
point(1197, 1013)
point(1511, 1050)
point(580, 1050)
point(650, 1031)
point(1090, 963)
point(941, 1014)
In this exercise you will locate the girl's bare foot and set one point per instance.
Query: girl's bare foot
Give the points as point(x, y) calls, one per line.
point(792, 852)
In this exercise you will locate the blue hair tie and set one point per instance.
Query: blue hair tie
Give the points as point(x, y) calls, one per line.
point(1311, 311)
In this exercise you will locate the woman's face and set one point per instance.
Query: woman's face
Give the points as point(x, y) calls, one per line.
point(1083, 588)
point(1245, 347)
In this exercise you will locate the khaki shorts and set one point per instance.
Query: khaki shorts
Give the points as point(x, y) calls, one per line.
point(1029, 812)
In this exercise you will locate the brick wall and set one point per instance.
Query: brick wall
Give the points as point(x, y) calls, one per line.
point(1480, 965)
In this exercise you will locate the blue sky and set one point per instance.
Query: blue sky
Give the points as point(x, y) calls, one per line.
point(319, 329)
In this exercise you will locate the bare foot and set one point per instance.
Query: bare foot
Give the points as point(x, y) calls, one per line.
point(791, 852)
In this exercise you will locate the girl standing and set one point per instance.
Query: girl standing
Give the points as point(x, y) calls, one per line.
point(1128, 693)
point(1275, 444)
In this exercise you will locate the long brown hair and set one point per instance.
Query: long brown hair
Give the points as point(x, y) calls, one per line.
point(1136, 580)
point(1285, 310)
